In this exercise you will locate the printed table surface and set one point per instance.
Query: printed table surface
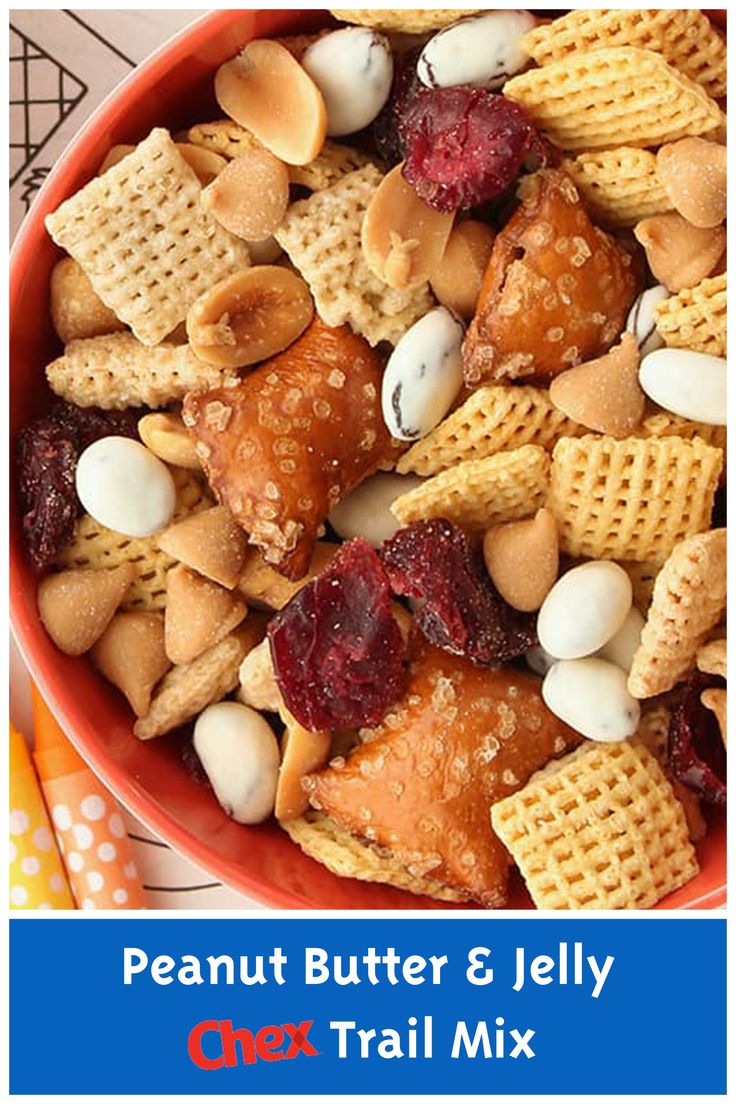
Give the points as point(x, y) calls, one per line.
point(62, 65)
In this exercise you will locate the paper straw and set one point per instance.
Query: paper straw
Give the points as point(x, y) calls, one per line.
point(37, 876)
point(87, 819)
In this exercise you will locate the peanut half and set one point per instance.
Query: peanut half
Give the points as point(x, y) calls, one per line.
point(250, 196)
point(522, 559)
point(603, 394)
point(402, 238)
point(679, 254)
point(457, 279)
point(166, 436)
point(266, 90)
point(249, 316)
point(693, 172)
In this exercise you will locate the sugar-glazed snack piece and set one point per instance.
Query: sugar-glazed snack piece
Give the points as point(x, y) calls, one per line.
point(600, 829)
point(147, 245)
point(632, 499)
point(619, 186)
point(115, 372)
point(684, 36)
point(345, 855)
point(689, 599)
point(188, 689)
point(93, 546)
point(322, 238)
point(286, 443)
point(556, 292)
point(421, 784)
point(695, 318)
point(615, 96)
point(403, 20)
point(479, 493)
point(492, 419)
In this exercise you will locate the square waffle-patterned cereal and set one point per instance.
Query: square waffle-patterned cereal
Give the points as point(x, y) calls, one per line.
point(688, 601)
point(619, 186)
point(322, 237)
point(145, 242)
point(481, 493)
point(696, 317)
point(664, 424)
point(685, 37)
point(231, 140)
point(94, 546)
point(631, 499)
point(403, 20)
point(115, 372)
point(493, 419)
point(599, 829)
point(620, 96)
point(324, 840)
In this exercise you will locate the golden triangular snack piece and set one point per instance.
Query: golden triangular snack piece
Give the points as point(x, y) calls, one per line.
point(199, 613)
point(422, 785)
point(603, 394)
point(77, 606)
point(210, 542)
point(132, 655)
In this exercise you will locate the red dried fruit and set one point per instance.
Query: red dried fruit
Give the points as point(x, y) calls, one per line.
point(463, 612)
point(464, 146)
point(46, 460)
point(337, 650)
point(385, 127)
point(695, 748)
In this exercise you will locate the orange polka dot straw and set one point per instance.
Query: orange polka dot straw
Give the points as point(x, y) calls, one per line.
point(37, 876)
point(87, 819)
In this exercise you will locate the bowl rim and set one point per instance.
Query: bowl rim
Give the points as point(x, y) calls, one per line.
point(81, 731)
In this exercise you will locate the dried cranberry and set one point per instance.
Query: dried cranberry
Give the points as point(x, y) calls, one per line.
point(46, 461)
point(337, 649)
point(385, 127)
point(464, 146)
point(695, 748)
point(462, 612)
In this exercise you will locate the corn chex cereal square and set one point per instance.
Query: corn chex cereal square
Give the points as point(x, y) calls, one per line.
point(695, 318)
point(146, 244)
point(481, 493)
point(619, 186)
point(631, 499)
point(321, 234)
point(492, 419)
point(599, 829)
point(403, 20)
point(684, 36)
point(621, 96)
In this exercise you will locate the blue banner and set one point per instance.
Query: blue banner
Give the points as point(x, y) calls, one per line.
point(340, 1006)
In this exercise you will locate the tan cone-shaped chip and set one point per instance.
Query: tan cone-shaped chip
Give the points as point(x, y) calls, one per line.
point(711, 658)
point(258, 686)
point(522, 558)
point(77, 606)
point(689, 598)
point(199, 613)
point(131, 654)
point(302, 752)
point(603, 394)
point(210, 542)
point(715, 699)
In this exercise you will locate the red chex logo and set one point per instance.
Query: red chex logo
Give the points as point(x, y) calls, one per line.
point(271, 1043)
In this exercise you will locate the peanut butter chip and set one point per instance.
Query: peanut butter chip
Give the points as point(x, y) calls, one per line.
point(402, 238)
point(693, 172)
point(77, 606)
point(250, 196)
point(457, 279)
point(679, 254)
point(198, 614)
point(603, 394)
point(715, 700)
point(210, 542)
point(131, 654)
point(522, 559)
point(249, 316)
point(267, 92)
point(166, 436)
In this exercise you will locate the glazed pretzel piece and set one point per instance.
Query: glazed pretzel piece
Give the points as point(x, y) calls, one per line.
point(285, 444)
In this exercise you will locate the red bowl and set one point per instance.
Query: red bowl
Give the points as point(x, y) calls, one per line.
point(174, 88)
